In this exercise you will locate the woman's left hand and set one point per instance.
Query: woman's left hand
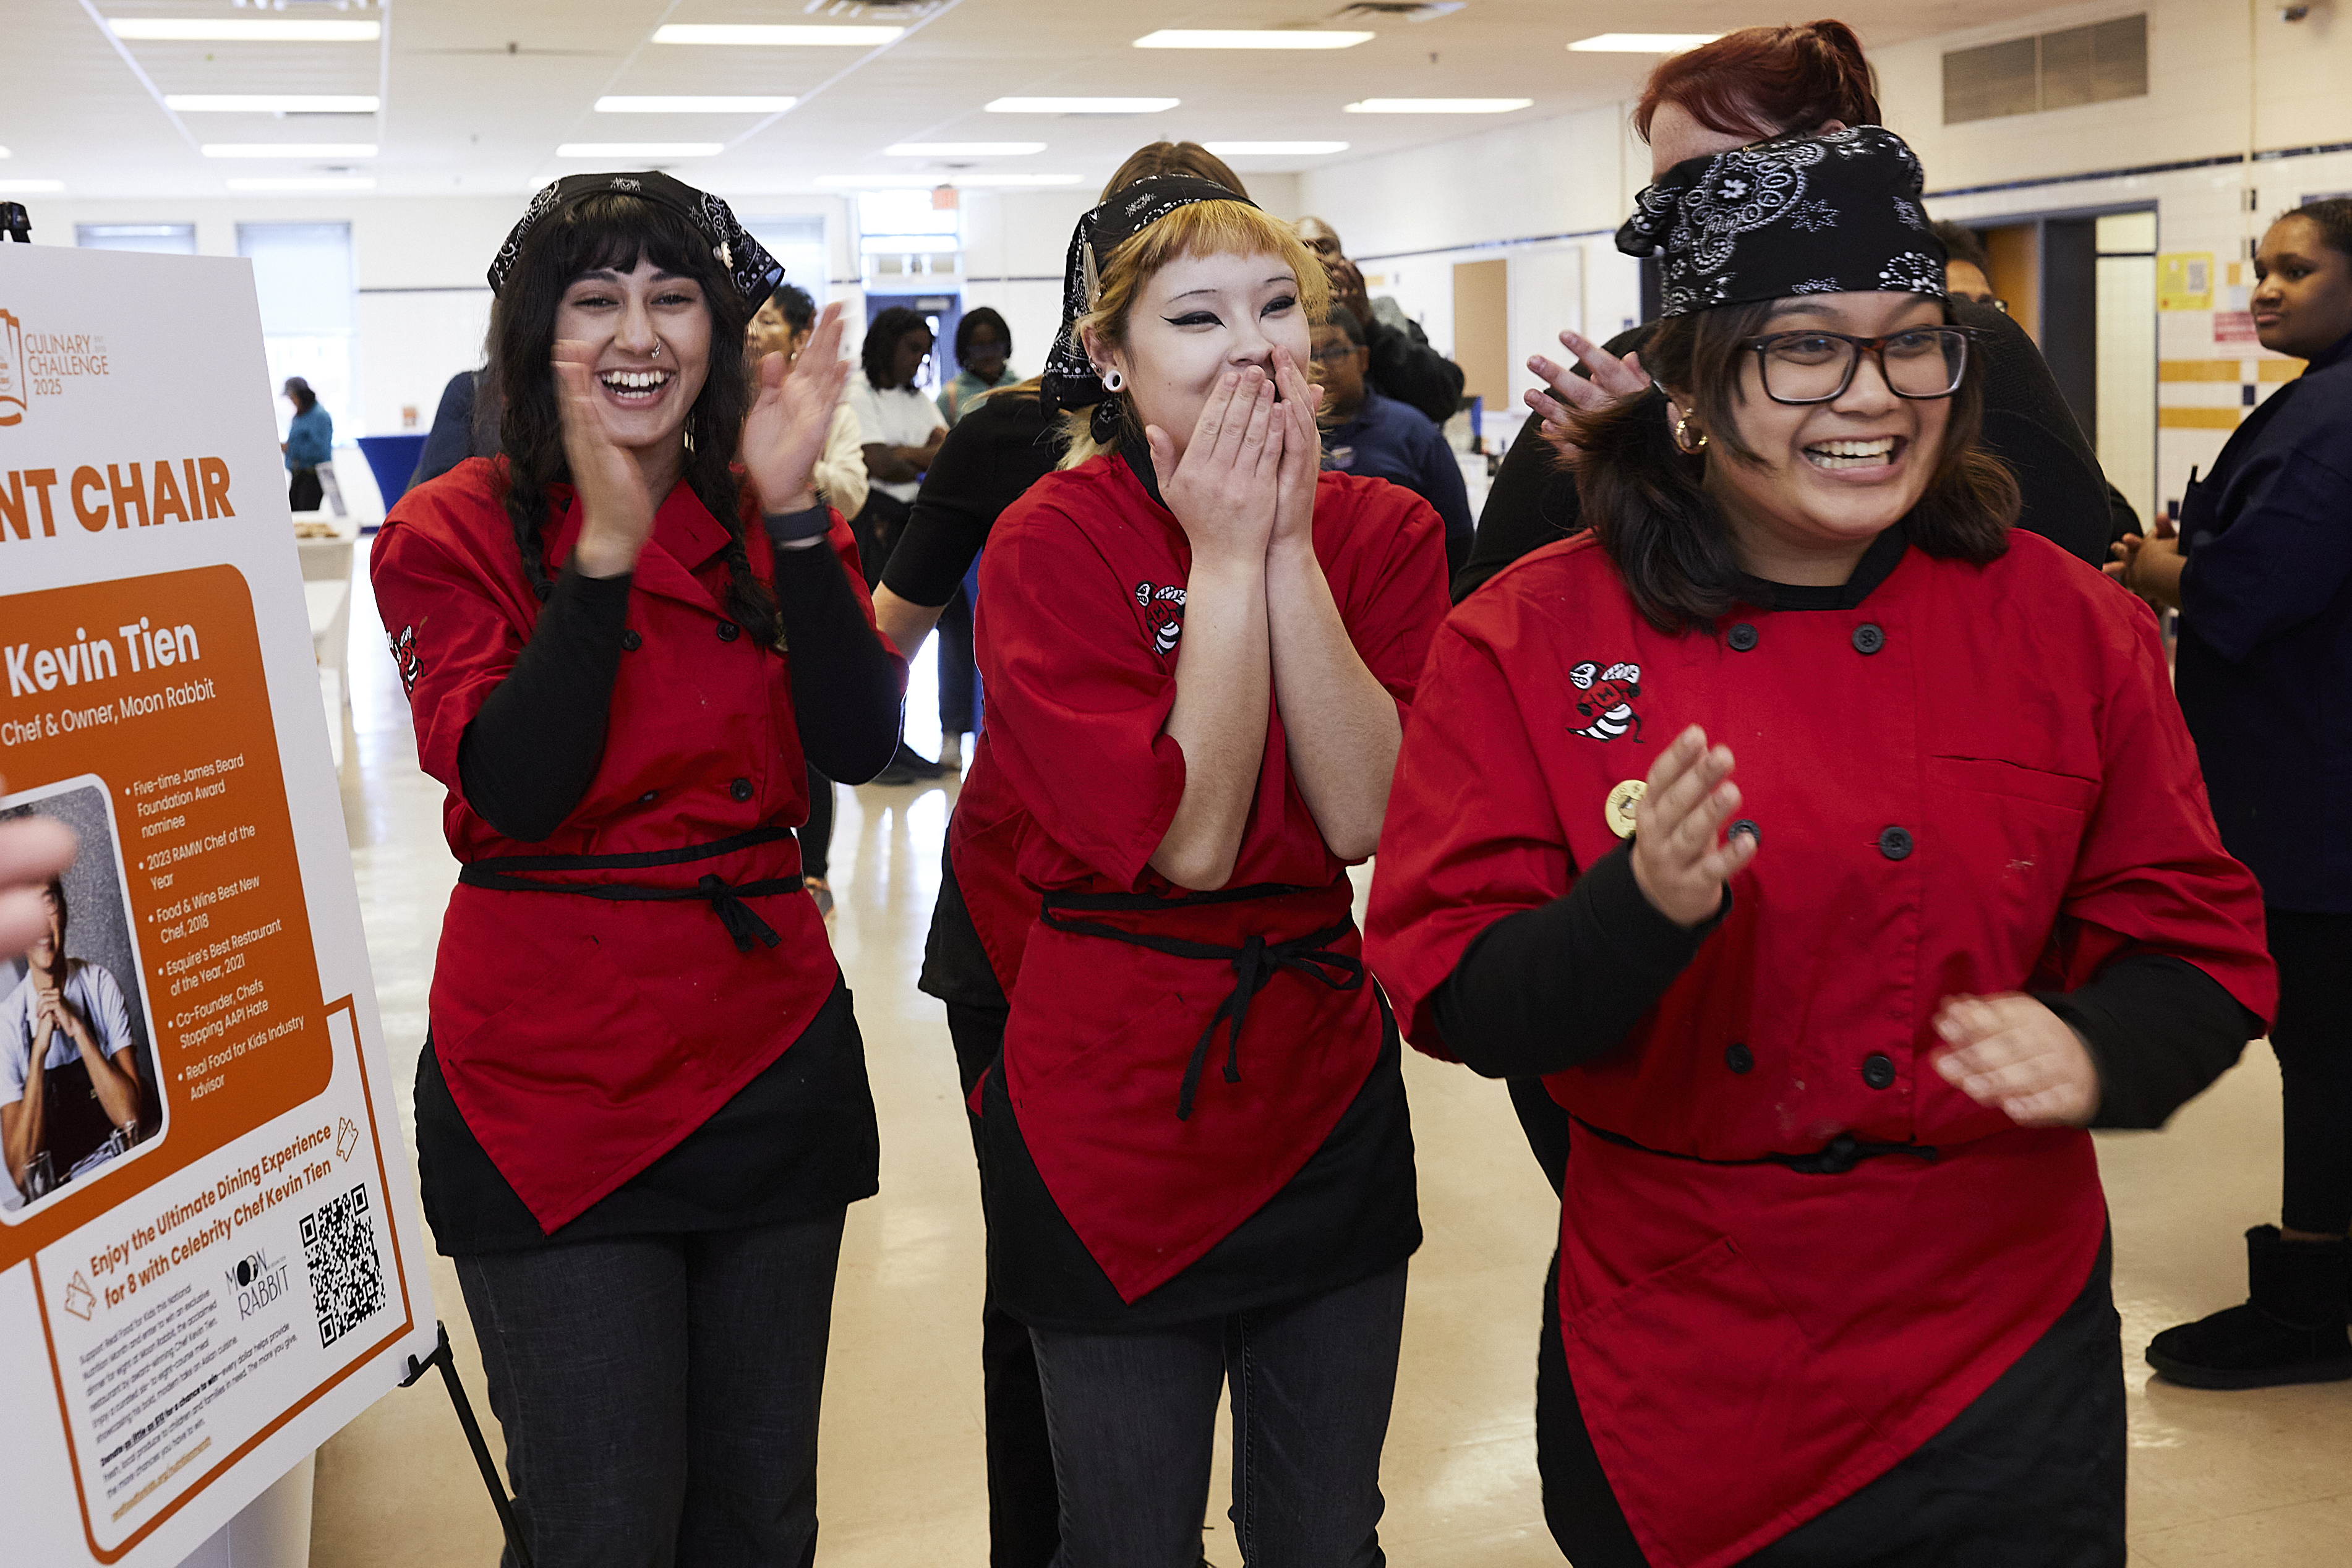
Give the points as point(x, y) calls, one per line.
point(2011, 1053)
point(1302, 454)
point(792, 415)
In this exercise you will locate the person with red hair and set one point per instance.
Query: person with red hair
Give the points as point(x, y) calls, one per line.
point(1745, 87)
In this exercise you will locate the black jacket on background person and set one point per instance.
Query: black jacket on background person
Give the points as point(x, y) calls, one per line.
point(1404, 367)
point(2027, 424)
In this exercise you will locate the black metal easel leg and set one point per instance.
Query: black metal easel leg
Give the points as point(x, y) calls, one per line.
point(441, 1358)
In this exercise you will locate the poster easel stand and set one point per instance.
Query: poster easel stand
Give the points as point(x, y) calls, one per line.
point(441, 1358)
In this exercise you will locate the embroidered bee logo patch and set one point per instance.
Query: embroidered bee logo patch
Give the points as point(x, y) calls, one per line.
point(1164, 612)
point(403, 654)
point(1605, 697)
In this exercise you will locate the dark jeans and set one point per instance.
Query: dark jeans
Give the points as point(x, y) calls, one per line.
point(2030, 1475)
point(303, 491)
point(659, 1394)
point(1024, 1524)
point(2312, 1040)
point(1133, 1417)
point(958, 675)
point(816, 834)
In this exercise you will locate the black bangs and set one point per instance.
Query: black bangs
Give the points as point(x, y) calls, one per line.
point(615, 234)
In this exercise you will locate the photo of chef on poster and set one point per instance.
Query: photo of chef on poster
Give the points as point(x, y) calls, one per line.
point(78, 1084)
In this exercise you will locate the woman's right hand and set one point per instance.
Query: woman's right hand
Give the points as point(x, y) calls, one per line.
point(1224, 489)
point(616, 514)
point(1679, 863)
point(1612, 378)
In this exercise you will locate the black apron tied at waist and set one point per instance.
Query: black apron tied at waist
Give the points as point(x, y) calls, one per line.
point(1836, 1157)
point(1255, 963)
point(742, 923)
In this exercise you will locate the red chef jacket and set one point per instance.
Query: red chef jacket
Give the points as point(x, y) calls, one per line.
point(1082, 595)
point(583, 1038)
point(1975, 781)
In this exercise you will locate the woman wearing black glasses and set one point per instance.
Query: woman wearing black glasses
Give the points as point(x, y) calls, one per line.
point(1836, 856)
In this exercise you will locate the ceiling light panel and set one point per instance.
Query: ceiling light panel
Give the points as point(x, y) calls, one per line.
point(963, 149)
point(1250, 38)
point(925, 182)
point(766, 35)
point(641, 148)
point(271, 103)
point(1080, 105)
point(1274, 149)
point(1437, 105)
point(305, 183)
point(309, 150)
point(1641, 42)
point(684, 105)
point(236, 30)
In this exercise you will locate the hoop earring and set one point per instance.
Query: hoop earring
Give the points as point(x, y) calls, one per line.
point(1112, 380)
point(1688, 447)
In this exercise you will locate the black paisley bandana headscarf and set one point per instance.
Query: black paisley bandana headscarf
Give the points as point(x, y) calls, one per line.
point(1069, 380)
point(1831, 213)
point(746, 262)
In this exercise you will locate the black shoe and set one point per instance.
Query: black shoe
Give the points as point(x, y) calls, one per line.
point(919, 764)
point(898, 773)
point(2290, 1330)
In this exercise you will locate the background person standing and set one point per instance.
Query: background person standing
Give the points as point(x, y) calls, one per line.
point(1381, 438)
point(309, 440)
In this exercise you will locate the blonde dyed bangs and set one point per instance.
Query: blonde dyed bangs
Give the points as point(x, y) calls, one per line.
point(1202, 229)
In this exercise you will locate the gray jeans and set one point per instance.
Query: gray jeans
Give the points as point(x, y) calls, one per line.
point(1133, 1420)
point(659, 1394)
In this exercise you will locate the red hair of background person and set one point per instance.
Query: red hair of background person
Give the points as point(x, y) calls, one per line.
point(1778, 80)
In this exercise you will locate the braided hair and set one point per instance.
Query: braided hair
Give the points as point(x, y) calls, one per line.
point(617, 231)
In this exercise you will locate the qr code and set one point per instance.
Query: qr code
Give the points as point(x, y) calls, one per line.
point(346, 1270)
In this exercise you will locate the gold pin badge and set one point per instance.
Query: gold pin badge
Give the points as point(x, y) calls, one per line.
point(1618, 812)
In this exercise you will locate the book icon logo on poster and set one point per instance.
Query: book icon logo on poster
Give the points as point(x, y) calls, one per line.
point(12, 404)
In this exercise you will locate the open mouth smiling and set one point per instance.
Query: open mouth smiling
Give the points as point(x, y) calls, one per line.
point(1842, 457)
point(633, 388)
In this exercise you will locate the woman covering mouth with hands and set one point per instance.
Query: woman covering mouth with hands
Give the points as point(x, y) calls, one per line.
point(1829, 916)
point(1198, 648)
point(643, 1108)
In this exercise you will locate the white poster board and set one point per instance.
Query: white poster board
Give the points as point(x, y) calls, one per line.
point(191, 1301)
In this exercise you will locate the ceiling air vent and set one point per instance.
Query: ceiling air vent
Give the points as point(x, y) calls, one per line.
point(1392, 10)
point(2098, 64)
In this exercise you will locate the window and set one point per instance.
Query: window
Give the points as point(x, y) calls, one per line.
point(303, 275)
point(907, 237)
point(2096, 64)
point(164, 239)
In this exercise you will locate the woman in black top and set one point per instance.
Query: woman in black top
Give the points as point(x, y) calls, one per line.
point(1003, 444)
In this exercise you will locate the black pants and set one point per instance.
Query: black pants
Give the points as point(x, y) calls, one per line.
point(2312, 1040)
point(659, 1394)
point(304, 493)
point(959, 674)
point(2031, 1475)
point(1025, 1526)
point(816, 834)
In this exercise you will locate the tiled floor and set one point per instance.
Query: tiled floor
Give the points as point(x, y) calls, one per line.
point(2251, 1481)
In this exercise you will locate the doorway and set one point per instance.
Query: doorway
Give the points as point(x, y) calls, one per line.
point(2083, 285)
point(942, 312)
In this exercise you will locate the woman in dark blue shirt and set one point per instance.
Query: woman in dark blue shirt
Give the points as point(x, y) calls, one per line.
point(2262, 574)
point(309, 440)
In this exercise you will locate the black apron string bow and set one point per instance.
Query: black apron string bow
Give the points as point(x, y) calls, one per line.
point(1836, 1157)
point(1255, 964)
point(743, 925)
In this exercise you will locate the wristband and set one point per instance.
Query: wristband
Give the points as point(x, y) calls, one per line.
point(787, 527)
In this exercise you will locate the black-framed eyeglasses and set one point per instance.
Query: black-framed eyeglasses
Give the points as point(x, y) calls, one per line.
point(1924, 362)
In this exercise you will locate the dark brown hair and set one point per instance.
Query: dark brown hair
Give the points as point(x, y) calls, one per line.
point(1173, 158)
point(1647, 498)
point(1767, 80)
point(617, 231)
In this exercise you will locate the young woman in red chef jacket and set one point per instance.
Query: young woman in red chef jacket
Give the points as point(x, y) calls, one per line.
point(643, 1108)
point(1198, 650)
point(1838, 856)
